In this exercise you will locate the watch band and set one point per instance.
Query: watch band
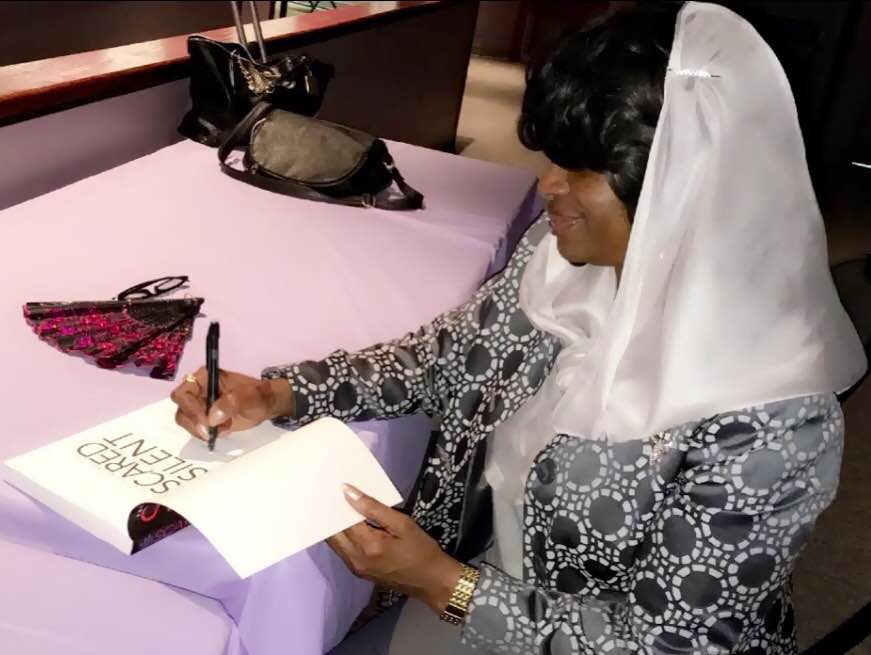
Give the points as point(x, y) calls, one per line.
point(458, 605)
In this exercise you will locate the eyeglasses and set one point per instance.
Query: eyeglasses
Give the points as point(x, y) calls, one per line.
point(153, 288)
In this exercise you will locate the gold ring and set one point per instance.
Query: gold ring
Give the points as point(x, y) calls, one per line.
point(190, 378)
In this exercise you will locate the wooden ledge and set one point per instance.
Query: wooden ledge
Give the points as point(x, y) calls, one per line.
point(35, 88)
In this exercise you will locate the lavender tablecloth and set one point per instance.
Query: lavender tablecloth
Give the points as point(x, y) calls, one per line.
point(288, 280)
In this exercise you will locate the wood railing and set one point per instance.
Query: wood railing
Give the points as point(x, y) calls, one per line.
point(35, 88)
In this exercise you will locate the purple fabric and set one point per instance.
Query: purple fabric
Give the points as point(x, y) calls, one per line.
point(88, 139)
point(51, 604)
point(289, 280)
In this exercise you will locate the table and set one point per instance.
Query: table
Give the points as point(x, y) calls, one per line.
point(289, 280)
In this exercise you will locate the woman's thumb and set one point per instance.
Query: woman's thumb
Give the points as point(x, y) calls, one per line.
point(223, 410)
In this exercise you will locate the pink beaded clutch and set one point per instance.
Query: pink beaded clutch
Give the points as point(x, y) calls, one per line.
point(137, 328)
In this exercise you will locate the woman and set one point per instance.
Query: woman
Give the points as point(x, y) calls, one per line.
point(635, 426)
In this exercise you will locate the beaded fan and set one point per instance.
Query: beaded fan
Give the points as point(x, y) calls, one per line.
point(136, 328)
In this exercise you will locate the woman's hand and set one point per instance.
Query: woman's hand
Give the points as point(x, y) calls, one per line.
point(243, 402)
point(399, 555)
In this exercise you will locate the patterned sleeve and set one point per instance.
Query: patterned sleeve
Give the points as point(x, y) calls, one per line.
point(408, 375)
point(712, 573)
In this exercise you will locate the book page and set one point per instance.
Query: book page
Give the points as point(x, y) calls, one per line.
point(97, 477)
point(285, 496)
point(262, 495)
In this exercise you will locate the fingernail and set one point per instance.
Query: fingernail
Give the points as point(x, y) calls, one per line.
point(351, 492)
point(203, 431)
point(216, 416)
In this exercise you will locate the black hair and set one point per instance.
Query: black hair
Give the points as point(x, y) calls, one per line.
point(594, 101)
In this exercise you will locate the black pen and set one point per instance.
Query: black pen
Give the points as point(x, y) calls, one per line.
point(212, 369)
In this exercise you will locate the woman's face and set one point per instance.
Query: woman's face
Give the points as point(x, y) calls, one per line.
point(591, 224)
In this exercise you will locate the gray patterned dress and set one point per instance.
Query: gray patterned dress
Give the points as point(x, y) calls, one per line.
point(679, 543)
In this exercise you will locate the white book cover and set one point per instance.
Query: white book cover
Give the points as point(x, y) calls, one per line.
point(261, 496)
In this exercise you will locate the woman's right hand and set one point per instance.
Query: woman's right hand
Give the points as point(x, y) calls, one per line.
point(242, 403)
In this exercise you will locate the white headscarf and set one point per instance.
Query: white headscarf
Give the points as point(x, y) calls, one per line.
point(725, 299)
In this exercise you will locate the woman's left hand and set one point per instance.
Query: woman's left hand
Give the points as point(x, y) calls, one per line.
point(400, 555)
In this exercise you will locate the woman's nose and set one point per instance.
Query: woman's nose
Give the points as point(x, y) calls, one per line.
point(554, 182)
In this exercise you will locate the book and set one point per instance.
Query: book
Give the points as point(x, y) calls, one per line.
point(261, 496)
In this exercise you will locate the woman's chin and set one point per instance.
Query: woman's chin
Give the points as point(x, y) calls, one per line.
point(571, 255)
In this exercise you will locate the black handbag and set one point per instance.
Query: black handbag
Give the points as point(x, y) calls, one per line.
point(226, 83)
point(313, 159)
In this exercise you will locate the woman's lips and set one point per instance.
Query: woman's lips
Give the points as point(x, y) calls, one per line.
point(560, 224)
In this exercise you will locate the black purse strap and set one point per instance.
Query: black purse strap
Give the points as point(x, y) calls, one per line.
point(411, 198)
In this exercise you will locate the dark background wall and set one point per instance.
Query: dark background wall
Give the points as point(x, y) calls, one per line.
point(824, 46)
point(403, 80)
point(497, 24)
point(825, 49)
point(51, 28)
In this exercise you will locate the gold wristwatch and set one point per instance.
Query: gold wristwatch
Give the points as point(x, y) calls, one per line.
point(458, 605)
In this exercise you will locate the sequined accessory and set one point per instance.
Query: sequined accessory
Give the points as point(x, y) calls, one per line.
point(137, 328)
point(691, 72)
point(661, 442)
point(260, 80)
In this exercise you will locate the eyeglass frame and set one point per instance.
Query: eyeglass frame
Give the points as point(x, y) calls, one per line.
point(161, 286)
